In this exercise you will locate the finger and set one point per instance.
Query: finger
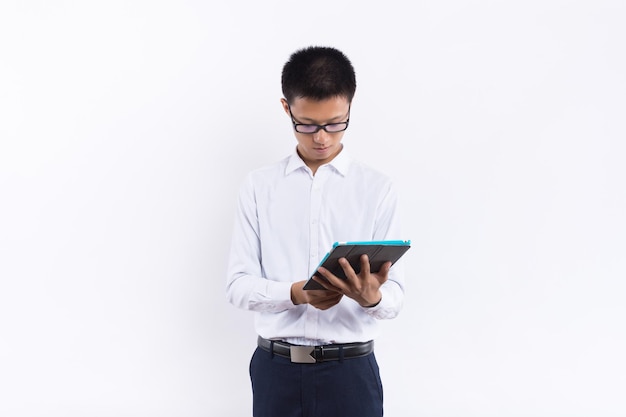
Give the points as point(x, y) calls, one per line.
point(348, 271)
point(321, 281)
point(329, 288)
point(365, 265)
point(383, 274)
point(326, 303)
point(345, 265)
point(333, 283)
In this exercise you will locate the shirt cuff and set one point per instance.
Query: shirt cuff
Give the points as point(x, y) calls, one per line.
point(273, 297)
point(386, 308)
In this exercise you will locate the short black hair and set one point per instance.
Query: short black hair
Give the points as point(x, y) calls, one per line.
point(318, 73)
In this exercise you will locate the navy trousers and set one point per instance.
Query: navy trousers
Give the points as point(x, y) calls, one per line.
point(345, 388)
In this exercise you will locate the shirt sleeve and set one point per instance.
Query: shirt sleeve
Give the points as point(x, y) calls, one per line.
point(246, 287)
point(388, 227)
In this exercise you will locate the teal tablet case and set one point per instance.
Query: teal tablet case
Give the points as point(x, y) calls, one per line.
point(378, 253)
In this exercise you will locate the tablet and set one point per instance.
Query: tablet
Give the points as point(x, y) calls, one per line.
point(379, 252)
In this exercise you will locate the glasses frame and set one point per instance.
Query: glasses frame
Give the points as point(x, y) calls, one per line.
point(318, 127)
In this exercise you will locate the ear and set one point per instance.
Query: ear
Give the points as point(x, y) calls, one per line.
point(285, 105)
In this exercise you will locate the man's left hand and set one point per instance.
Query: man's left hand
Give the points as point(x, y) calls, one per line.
point(364, 287)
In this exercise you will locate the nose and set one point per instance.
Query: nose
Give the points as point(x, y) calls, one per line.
point(321, 136)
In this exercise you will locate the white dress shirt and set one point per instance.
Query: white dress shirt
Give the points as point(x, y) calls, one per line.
point(287, 220)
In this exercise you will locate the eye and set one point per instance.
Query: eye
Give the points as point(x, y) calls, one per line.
point(334, 127)
point(302, 128)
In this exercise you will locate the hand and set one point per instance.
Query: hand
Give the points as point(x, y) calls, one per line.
point(364, 287)
point(321, 299)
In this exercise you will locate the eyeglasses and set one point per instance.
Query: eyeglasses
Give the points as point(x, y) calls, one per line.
point(313, 128)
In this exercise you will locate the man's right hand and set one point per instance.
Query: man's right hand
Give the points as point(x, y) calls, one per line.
point(321, 299)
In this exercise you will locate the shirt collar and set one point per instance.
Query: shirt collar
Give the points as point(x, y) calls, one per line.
point(341, 163)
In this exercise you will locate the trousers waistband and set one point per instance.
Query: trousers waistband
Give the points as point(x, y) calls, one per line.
point(313, 354)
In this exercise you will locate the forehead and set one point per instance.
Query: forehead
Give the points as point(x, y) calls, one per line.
point(307, 109)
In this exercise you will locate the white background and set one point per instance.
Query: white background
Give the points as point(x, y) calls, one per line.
point(127, 126)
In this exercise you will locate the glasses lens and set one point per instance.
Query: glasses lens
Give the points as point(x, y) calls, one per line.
point(307, 128)
point(336, 127)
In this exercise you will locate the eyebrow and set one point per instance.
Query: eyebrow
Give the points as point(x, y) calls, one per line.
point(335, 119)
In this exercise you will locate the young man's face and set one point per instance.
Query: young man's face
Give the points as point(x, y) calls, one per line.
point(320, 147)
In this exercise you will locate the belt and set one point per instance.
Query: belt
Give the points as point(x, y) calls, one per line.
point(313, 354)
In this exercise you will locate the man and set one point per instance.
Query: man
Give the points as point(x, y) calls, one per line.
point(289, 215)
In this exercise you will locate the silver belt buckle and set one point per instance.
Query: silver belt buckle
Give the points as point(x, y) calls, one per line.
point(302, 354)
